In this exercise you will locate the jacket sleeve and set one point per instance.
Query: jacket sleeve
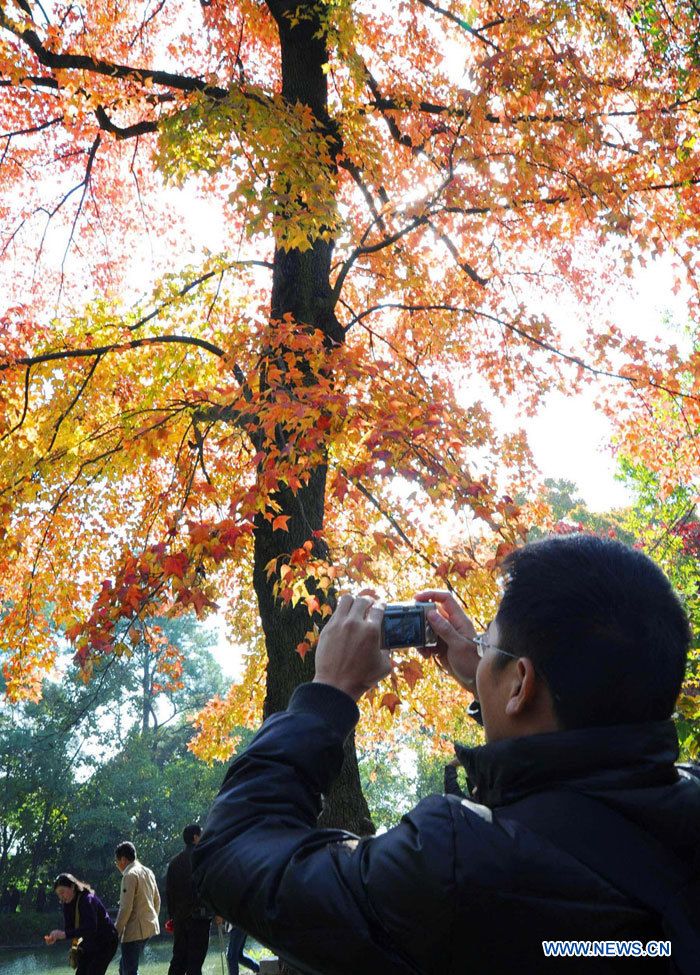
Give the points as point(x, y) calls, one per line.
point(451, 783)
point(126, 902)
point(87, 919)
point(156, 893)
point(169, 890)
point(324, 897)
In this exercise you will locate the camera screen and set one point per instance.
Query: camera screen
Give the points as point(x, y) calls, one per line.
point(403, 630)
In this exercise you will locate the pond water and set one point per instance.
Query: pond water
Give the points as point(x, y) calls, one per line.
point(156, 958)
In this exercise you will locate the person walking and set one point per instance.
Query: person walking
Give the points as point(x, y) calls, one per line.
point(86, 923)
point(139, 904)
point(191, 921)
point(235, 955)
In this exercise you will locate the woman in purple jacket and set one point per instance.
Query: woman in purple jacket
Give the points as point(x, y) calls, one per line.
point(85, 917)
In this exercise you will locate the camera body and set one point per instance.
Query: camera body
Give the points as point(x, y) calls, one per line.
point(405, 625)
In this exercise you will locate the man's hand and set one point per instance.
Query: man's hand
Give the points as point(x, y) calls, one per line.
point(55, 935)
point(456, 650)
point(348, 655)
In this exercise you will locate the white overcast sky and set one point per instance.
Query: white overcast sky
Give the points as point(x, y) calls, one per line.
point(571, 439)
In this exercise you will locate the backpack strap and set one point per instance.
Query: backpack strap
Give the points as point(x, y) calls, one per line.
point(626, 856)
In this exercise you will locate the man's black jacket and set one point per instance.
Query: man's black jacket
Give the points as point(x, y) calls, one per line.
point(453, 888)
point(181, 896)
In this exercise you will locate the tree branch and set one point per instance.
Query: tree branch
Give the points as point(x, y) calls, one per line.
point(34, 128)
point(467, 268)
point(372, 249)
point(463, 23)
point(393, 522)
point(356, 173)
point(547, 346)
point(83, 62)
point(117, 347)
point(146, 21)
point(24, 408)
point(195, 283)
point(81, 390)
point(126, 132)
point(86, 180)
point(406, 103)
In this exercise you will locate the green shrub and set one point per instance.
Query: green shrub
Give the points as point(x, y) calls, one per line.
point(28, 927)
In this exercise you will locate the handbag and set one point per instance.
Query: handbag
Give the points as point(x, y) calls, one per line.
point(75, 952)
point(76, 945)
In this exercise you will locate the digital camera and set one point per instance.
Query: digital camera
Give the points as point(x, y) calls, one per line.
point(405, 625)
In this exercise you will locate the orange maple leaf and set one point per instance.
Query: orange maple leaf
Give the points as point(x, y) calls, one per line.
point(176, 565)
point(390, 701)
point(412, 672)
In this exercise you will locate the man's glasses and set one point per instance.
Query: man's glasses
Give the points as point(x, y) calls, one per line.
point(482, 646)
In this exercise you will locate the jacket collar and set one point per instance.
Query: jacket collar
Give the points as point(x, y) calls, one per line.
point(620, 756)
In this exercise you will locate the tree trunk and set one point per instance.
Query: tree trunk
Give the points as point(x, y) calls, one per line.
point(145, 690)
point(5, 843)
point(301, 287)
point(40, 849)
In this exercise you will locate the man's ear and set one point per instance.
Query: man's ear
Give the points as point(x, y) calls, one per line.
point(523, 688)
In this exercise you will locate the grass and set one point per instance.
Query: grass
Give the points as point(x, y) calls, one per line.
point(47, 961)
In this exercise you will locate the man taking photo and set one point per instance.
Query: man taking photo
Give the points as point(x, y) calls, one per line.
point(579, 836)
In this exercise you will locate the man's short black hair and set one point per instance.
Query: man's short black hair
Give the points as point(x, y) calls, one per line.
point(189, 833)
point(126, 850)
point(601, 623)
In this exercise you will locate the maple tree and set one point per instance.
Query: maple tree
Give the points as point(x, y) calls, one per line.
point(272, 264)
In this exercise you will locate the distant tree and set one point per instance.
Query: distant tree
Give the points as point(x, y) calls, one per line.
point(165, 669)
point(145, 794)
point(388, 780)
point(570, 513)
point(399, 772)
point(79, 770)
point(666, 522)
point(41, 746)
point(562, 497)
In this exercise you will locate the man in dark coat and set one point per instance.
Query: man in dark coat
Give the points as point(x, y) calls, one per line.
point(579, 837)
point(191, 920)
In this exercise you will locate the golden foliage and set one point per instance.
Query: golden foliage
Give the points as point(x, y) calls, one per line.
point(470, 166)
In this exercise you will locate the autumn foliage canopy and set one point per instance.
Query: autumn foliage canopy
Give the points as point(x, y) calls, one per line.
point(274, 268)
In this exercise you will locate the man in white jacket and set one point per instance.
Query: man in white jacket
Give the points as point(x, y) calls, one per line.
point(139, 904)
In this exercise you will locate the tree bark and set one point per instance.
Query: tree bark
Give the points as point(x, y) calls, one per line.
point(40, 849)
point(301, 287)
point(145, 692)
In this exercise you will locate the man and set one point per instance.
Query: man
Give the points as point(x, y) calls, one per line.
point(139, 904)
point(578, 825)
point(191, 920)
